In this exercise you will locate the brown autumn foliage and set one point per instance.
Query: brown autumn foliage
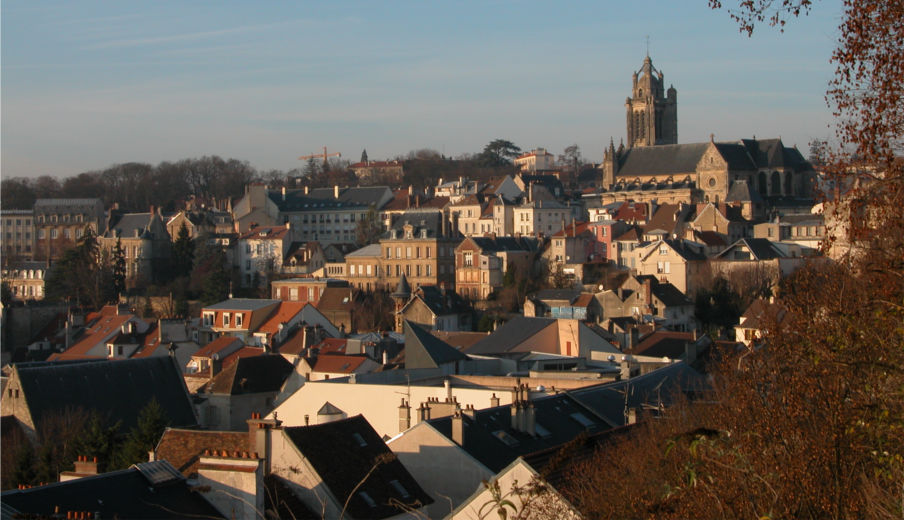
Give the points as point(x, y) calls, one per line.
point(811, 424)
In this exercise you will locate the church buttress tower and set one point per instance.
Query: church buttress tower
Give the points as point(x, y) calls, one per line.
point(652, 113)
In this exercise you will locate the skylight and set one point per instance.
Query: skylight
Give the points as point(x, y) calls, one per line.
point(582, 419)
point(364, 496)
point(357, 436)
point(400, 488)
point(506, 438)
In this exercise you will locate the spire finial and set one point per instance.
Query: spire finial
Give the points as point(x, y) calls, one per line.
point(648, 46)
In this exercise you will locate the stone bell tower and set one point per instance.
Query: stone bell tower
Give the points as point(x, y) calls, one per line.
point(652, 113)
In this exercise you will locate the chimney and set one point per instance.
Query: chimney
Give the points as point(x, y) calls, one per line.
point(631, 415)
point(404, 415)
point(494, 401)
point(447, 384)
point(530, 419)
point(260, 436)
point(385, 357)
point(335, 191)
point(458, 429)
point(625, 368)
point(307, 190)
point(410, 190)
point(516, 414)
point(235, 480)
point(470, 411)
point(86, 466)
point(284, 193)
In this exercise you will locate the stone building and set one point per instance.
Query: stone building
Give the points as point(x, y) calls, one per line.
point(59, 223)
point(652, 113)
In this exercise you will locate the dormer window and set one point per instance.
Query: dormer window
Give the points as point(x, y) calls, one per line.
point(238, 319)
point(226, 318)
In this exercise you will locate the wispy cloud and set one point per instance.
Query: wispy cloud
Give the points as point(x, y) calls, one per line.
point(187, 37)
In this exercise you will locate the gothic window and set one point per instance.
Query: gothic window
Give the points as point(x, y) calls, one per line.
point(762, 184)
point(776, 184)
point(788, 190)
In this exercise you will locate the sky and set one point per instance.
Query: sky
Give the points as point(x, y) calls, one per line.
point(85, 85)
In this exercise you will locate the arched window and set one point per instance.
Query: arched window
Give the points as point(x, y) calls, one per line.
point(776, 184)
point(762, 184)
point(788, 190)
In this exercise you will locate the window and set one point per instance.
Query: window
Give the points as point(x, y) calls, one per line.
point(366, 498)
point(428, 252)
point(226, 319)
point(398, 252)
point(207, 319)
point(357, 436)
point(351, 269)
point(293, 294)
point(388, 252)
point(399, 488)
point(469, 258)
point(53, 233)
point(238, 319)
point(408, 252)
point(429, 270)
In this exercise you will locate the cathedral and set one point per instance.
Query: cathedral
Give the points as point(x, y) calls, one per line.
point(754, 173)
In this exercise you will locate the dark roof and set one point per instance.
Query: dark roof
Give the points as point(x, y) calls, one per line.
point(153, 490)
point(664, 343)
point(251, 375)
point(736, 155)
point(241, 304)
point(346, 452)
point(424, 350)
point(670, 295)
point(760, 248)
point(432, 222)
point(282, 502)
point(490, 438)
point(772, 153)
point(120, 389)
point(508, 337)
point(183, 448)
point(740, 191)
point(647, 390)
point(128, 223)
point(441, 301)
point(685, 249)
point(670, 159)
point(403, 290)
point(488, 244)
point(557, 294)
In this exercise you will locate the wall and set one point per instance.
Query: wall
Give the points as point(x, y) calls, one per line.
point(379, 404)
point(440, 466)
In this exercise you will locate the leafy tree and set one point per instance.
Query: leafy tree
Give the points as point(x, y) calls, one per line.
point(812, 424)
point(499, 152)
point(152, 421)
point(717, 307)
point(369, 228)
point(183, 253)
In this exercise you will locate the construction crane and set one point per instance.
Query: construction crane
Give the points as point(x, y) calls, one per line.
point(324, 155)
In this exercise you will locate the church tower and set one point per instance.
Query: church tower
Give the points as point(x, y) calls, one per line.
point(652, 113)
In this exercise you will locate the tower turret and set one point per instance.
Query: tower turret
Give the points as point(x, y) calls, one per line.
point(652, 116)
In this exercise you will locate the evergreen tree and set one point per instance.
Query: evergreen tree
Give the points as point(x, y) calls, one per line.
point(183, 253)
point(99, 440)
point(210, 276)
point(152, 421)
point(364, 156)
point(119, 268)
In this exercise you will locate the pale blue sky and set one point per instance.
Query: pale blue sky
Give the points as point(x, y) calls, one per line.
point(88, 84)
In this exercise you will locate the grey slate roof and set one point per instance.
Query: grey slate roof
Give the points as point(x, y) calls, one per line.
point(498, 244)
point(129, 223)
point(509, 336)
point(432, 222)
point(347, 452)
point(648, 389)
point(760, 248)
point(241, 304)
point(740, 191)
point(736, 155)
point(671, 159)
point(152, 490)
point(490, 439)
point(424, 350)
point(251, 375)
point(120, 389)
point(368, 250)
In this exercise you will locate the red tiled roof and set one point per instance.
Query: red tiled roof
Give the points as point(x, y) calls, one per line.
point(100, 331)
point(332, 346)
point(183, 448)
point(284, 312)
point(242, 353)
point(336, 364)
point(265, 233)
point(577, 228)
point(583, 300)
point(216, 345)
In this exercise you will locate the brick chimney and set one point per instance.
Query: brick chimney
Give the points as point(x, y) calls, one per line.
point(260, 433)
point(236, 482)
point(458, 429)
